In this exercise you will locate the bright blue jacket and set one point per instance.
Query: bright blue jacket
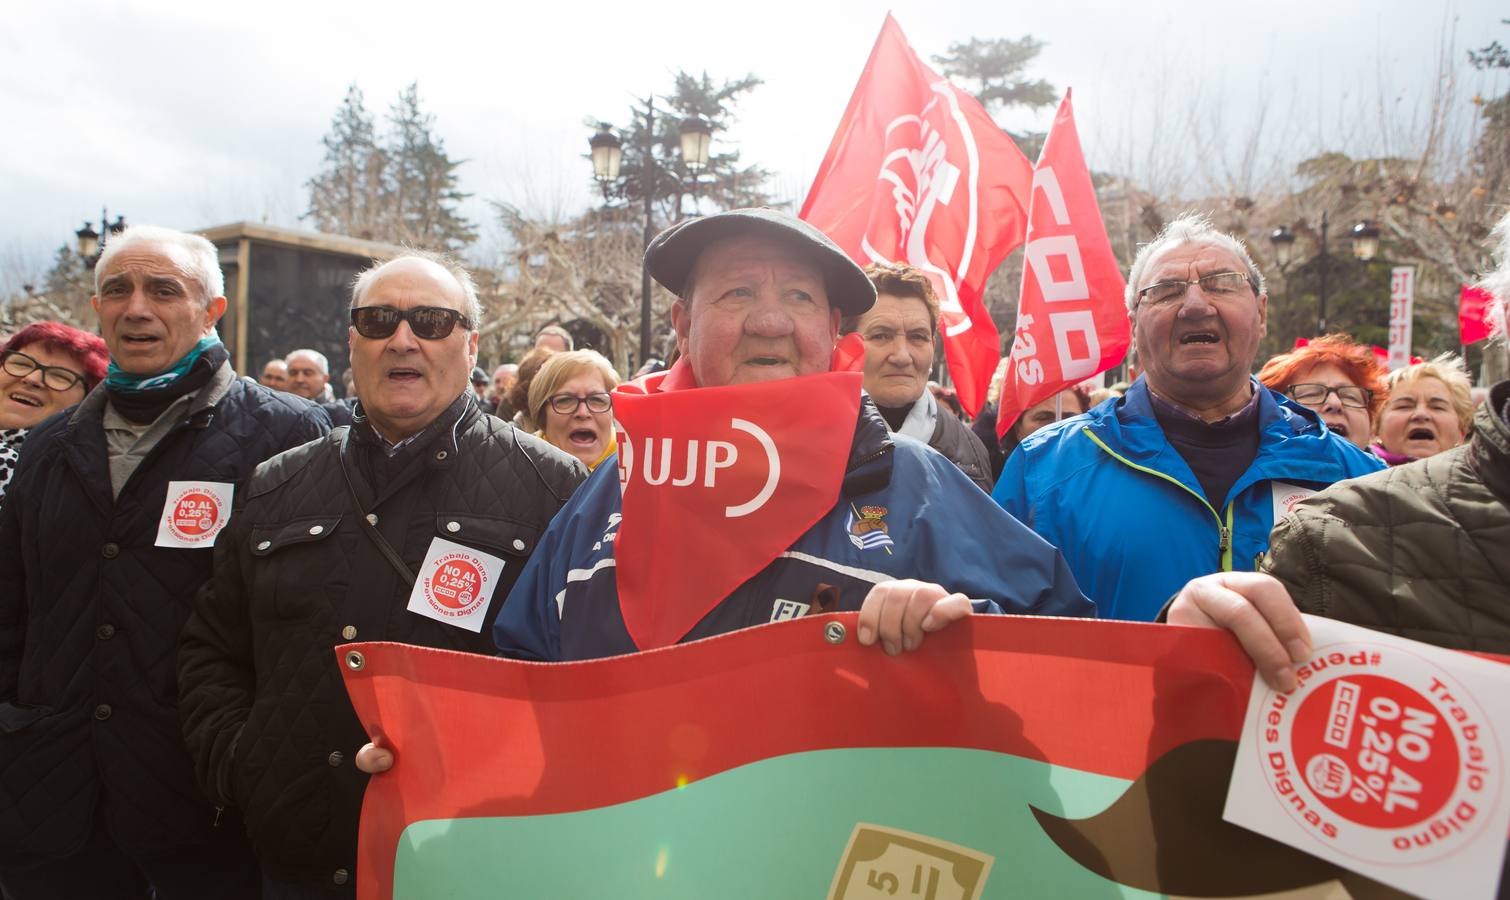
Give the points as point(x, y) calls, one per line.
point(940, 528)
point(1109, 490)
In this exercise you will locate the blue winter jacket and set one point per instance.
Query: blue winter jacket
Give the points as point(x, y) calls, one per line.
point(565, 605)
point(1109, 490)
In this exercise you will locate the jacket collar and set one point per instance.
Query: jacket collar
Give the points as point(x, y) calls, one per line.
point(1293, 444)
point(1489, 448)
point(441, 432)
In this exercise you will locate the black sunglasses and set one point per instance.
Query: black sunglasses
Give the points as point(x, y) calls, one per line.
point(430, 323)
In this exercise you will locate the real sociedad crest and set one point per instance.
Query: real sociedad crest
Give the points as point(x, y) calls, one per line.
point(868, 531)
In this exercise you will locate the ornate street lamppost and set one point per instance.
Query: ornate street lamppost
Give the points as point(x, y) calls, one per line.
point(695, 135)
point(1365, 239)
point(91, 243)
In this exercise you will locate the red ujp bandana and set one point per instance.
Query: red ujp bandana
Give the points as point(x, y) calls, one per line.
point(717, 483)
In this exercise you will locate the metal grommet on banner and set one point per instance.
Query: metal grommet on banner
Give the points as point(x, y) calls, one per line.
point(834, 632)
point(355, 660)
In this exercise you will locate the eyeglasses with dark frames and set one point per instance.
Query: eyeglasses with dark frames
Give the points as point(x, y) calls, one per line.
point(431, 323)
point(1217, 284)
point(55, 378)
point(566, 404)
point(1314, 395)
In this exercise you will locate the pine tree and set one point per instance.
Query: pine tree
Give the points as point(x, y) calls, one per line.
point(995, 67)
point(348, 195)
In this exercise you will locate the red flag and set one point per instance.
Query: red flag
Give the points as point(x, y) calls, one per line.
point(1072, 320)
point(918, 173)
point(727, 476)
point(1475, 309)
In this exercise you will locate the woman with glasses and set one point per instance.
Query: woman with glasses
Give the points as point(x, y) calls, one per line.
point(1342, 381)
point(570, 400)
point(44, 368)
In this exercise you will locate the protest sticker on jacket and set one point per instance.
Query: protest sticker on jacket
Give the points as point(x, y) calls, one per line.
point(455, 585)
point(1286, 496)
point(1072, 319)
point(194, 513)
point(717, 482)
point(1386, 758)
point(1006, 757)
point(919, 173)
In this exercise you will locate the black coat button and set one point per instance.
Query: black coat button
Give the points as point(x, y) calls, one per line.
point(341, 876)
point(102, 712)
point(105, 632)
point(335, 758)
point(110, 550)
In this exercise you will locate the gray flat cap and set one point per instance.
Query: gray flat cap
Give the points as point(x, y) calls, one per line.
point(673, 252)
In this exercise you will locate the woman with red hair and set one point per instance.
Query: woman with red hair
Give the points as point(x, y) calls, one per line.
point(44, 369)
point(1341, 380)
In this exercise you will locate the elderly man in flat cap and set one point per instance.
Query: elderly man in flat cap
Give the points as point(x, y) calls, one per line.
point(760, 298)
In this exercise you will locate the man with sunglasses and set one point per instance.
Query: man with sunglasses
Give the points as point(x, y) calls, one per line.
point(105, 537)
point(409, 526)
point(1187, 473)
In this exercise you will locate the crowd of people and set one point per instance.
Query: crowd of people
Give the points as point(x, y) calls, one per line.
point(181, 547)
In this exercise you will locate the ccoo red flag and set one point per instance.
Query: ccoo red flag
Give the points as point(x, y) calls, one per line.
point(919, 173)
point(1072, 320)
point(1475, 314)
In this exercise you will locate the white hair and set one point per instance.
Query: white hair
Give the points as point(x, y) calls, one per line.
point(203, 264)
point(365, 280)
point(1497, 282)
point(1191, 228)
point(317, 356)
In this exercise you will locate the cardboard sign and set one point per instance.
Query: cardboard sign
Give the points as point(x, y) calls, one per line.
point(455, 584)
point(1385, 759)
point(194, 513)
point(1286, 495)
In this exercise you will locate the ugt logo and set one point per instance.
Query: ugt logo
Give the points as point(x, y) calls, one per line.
point(707, 464)
point(921, 172)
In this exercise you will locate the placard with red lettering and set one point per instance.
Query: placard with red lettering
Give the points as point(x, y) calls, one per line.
point(455, 585)
point(1402, 301)
point(1387, 758)
point(194, 513)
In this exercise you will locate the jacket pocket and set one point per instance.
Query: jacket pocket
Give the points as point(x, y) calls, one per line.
point(47, 782)
point(505, 538)
point(287, 574)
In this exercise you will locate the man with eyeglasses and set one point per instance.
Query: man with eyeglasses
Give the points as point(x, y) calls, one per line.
point(105, 537)
point(409, 526)
point(1187, 473)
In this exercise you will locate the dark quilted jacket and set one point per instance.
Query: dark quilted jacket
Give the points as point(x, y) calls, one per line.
point(90, 613)
point(1421, 550)
point(266, 714)
point(954, 439)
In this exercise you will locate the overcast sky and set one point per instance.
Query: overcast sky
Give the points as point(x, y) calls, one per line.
point(195, 114)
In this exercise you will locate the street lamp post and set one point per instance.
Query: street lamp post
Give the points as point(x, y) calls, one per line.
point(694, 136)
point(1365, 238)
point(91, 243)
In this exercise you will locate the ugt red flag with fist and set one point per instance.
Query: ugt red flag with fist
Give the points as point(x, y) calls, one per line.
point(1072, 320)
point(918, 173)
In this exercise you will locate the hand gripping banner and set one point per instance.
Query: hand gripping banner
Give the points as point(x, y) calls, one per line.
point(1072, 319)
point(717, 483)
point(1007, 757)
point(919, 173)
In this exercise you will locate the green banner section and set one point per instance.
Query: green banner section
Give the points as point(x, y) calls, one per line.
point(932, 823)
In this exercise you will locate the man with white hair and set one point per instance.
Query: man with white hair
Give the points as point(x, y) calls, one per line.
point(104, 539)
point(1182, 476)
point(409, 526)
point(1417, 550)
point(309, 377)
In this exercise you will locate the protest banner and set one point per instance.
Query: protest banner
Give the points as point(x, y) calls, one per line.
point(1006, 757)
point(1072, 320)
point(1476, 312)
point(919, 173)
point(1402, 305)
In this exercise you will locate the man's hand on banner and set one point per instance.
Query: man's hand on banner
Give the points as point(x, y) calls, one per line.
point(901, 613)
point(373, 759)
point(1258, 611)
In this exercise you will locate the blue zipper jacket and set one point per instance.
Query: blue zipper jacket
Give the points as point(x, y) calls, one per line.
point(565, 605)
point(1109, 490)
